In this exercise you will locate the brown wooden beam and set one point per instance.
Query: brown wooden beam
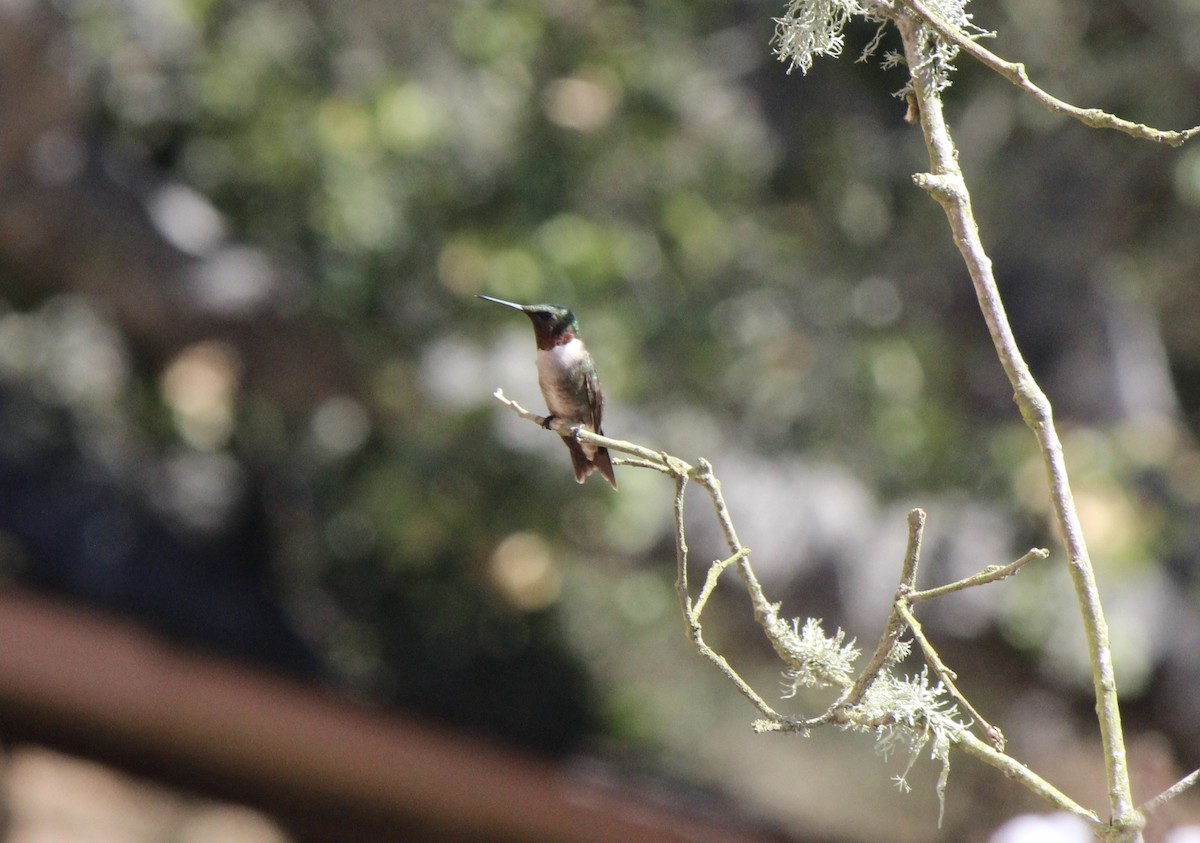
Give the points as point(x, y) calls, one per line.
point(93, 684)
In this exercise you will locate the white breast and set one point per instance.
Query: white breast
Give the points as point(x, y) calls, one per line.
point(553, 364)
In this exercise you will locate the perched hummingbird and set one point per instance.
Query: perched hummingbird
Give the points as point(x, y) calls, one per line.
point(568, 380)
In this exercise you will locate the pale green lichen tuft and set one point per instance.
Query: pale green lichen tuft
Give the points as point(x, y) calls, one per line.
point(909, 713)
point(812, 28)
point(814, 659)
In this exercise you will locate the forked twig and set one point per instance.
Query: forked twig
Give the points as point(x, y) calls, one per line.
point(893, 630)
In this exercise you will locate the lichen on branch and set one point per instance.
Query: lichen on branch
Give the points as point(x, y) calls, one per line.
point(901, 712)
point(812, 28)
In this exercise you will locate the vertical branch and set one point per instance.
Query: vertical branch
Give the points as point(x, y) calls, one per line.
point(945, 183)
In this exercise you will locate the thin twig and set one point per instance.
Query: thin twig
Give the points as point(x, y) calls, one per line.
point(1017, 771)
point(681, 550)
point(1170, 793)
point(705, 477)
point(1015, 73)
point(912, 553)
point(894, 628)
point(714, 574)
point(637, 462)
point(499, 395)
point(765, 612)
point(567, 431)
point(992, 573)
point(947, 676)
point(732, 675)
point(691, 613)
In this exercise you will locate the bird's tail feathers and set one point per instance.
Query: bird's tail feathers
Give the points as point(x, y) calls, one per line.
point(601, 461)
point(584, 466)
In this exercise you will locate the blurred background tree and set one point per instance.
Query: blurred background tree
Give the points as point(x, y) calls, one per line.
point(245, 384)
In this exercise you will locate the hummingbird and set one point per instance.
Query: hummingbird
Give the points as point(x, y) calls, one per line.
point(567, 377)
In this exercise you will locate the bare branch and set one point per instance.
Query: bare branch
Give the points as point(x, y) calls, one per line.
point(765, 612)
point(714, 574)
point(681, 551)
point(691, 614)
point(1170, 793)
point(1015, 72)
point(657, 459)
point(635, 462)
point(912, 554)
point(1017, 771)
point(992, 573)
point(946, 675)
point(499, 395)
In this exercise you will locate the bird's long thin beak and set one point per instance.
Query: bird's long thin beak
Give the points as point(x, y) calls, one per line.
point(513, 305)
